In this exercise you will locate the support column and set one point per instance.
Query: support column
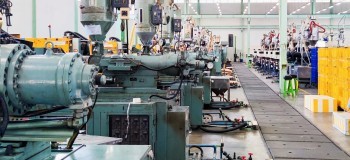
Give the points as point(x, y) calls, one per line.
point(248, 36)
point(283, 22)
point(313, 7)
point(199, 7)
point(331, 11)
point(186, 7)
point(242, 30)
point(34, 18)
point(76, 14)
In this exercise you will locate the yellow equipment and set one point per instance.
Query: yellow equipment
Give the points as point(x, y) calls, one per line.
point(59, 43)
point(111, 46)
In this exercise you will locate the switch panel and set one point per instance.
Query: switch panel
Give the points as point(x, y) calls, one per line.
point(156, 15)
point(138, 133)
point(120, 3)
point(177, 27)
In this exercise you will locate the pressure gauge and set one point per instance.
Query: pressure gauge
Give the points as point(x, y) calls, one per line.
point(210, 65)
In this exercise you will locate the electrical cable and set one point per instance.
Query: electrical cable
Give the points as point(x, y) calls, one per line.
point(6, 117)
point(175, 95)
point(128, 121)
point(42, 112)
point(229, 129)
point(76, 132)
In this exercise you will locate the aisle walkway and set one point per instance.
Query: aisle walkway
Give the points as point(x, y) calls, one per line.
point(287, 133)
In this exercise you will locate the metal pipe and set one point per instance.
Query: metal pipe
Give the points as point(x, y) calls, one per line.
point(39, 132)
point(39, 124)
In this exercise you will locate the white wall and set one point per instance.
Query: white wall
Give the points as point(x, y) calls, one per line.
point(60, 14)
point(21, 19)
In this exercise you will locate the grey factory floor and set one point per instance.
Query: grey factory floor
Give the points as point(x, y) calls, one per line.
point(243, 142)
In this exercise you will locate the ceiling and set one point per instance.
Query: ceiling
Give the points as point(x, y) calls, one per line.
point(262, 7)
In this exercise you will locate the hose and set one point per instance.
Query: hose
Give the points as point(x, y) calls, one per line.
point(240, 126)
point(157, 70)
point(42, 112)
point(76, 132)
point(6, 116)
point(234, 105)
point(199, 148)
point(76, 35)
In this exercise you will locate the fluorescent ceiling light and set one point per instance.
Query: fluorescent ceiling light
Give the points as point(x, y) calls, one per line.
point(330, 7)
point(298, 10)
point(324, 9)
point(338, 4)
point(303, 7)
point(318, 12)
point(308, 4)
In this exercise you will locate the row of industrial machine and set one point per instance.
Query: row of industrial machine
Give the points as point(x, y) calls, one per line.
point(150, 98)
point(302, 50)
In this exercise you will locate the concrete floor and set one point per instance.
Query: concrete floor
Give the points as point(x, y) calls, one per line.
point(243, 142)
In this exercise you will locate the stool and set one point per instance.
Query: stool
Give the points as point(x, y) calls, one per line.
point(250, 64)
point(295, 83)
point(288, 86)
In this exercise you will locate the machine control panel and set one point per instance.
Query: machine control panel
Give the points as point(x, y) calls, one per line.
point(156, 15)
point(120, 3)
point(177, 27)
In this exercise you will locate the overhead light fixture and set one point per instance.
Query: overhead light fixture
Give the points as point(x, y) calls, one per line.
point(345, 12)
point(318, 12)
point(298, 10)
point(189, 4)
point(303, 7)
point(324, 9)
point(338, 4)
point(219, 9)
point(308, 4)
point(330, 7)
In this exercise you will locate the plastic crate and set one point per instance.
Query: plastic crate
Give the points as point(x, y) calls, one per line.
point(320, 103)
point(341, 121)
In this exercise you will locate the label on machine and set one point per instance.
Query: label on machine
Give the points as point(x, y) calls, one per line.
point(93, 29)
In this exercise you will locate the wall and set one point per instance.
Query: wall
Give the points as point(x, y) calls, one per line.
point(21, 19)
point(60, 14)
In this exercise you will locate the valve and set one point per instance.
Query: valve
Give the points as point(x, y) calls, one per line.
point(250, 156)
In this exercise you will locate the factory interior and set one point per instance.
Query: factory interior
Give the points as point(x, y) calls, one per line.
point(175, 80)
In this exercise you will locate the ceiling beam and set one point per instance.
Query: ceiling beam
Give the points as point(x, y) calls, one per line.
point(301, 16)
